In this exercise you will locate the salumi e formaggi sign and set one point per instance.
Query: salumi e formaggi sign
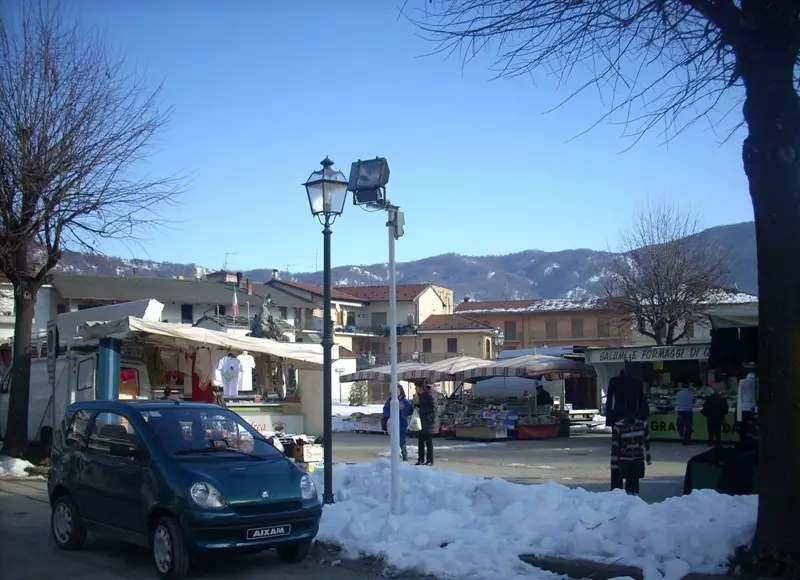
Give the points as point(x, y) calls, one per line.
point(649, 353)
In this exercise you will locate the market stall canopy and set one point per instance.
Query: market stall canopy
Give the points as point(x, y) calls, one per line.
point(301, 355)
point(383, 373)
point(531, 366)
point(734, 316)
point(443, 370)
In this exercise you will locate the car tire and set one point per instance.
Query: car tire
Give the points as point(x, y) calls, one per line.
point(170, 555)
point(68, 530)
point(294, 553)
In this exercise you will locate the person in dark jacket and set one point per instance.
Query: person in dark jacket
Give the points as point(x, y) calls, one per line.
point(625, 398)
point(715, 410)
point(428, 409)
point(543, 397)
point(630, 451)
point(625, 403)
point(406, 410)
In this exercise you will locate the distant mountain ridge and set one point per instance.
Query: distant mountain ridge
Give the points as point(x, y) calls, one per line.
point(574, 273)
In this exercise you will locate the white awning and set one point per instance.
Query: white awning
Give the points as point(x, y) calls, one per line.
point(737, 316)
point(383, 373)
point(532, 366)
point(443, 370)
point(301, 355)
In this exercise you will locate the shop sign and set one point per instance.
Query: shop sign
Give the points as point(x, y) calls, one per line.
point(650, 353)
point(267, 424)
point(664, 426)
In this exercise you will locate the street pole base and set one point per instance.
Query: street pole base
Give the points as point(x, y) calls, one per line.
point(327, 498)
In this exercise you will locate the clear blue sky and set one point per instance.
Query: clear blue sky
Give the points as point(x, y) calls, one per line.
point(263, 90)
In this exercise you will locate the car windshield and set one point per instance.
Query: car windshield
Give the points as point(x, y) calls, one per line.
point(182, 431)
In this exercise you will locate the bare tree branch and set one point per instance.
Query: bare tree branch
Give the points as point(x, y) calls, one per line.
point(657, 64)
point(73, 126)
point(663, 275)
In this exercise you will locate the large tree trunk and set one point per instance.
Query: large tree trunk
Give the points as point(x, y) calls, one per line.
point(16, 437)
point(771, 155)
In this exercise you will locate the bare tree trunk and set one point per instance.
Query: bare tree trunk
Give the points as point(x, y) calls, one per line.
point(16, 440)
point(771, 155)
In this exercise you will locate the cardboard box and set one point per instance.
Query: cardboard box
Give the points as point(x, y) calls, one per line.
point(308, 453)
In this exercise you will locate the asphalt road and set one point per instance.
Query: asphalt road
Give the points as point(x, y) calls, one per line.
point(580, 461)
point(27, 551)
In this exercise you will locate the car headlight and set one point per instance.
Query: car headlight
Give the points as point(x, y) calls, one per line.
point(307, 488)
point(206, 495)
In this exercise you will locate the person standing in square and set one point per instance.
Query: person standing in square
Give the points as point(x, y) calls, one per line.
point(630, 451)
point(715, 410)
point(428, 408)
point(684, 407)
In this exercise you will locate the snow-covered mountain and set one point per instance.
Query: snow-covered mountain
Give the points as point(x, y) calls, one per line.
point(529, 274)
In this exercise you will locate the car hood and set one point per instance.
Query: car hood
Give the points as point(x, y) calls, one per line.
point(245, 481)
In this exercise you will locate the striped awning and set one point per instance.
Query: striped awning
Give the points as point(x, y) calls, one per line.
point(444, 370)
point(383, 373)
point(530, 366)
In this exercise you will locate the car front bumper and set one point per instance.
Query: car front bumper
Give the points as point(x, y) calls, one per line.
point(226, 530)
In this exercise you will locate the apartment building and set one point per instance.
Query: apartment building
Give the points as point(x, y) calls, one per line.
point(547, 322)
point(369, 326)
point(454, 335)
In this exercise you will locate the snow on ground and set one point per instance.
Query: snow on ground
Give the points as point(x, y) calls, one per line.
point(13, 468)
point(346, 410)
point(342, 421)
point(473, 528)
point(388, 451)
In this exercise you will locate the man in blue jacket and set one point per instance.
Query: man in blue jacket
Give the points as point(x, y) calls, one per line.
point(406, 410)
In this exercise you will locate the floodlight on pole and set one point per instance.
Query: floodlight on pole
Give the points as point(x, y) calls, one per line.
point(368, 181)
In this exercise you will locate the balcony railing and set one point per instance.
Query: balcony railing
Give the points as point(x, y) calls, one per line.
point(364, 362)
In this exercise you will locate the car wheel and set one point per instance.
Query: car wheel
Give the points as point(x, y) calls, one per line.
point(68, 530)
point(169, 553)
point(294, 553)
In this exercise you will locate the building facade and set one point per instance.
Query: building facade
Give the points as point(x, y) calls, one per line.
point(547, 322)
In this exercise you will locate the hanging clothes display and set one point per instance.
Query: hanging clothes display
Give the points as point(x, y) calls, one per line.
point(246, 376)
point(227, 375)
point(205, 365)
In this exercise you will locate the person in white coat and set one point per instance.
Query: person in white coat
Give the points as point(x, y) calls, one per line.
point(746, 403)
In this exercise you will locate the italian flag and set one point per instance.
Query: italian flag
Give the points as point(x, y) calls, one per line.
point(235, 304)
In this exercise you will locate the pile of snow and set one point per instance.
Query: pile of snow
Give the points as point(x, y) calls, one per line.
point(458, 526)
point(346, 410)
point(342, 415)
point(13, 468)
point(343, 424)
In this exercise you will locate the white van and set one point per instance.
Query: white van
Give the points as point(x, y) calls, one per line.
point(75, 380)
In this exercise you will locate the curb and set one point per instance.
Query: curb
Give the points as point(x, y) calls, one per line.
point(577, 568)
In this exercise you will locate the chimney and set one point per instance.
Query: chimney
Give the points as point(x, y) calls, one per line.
point(466, 299)
point(239, 277)
point(134, 272)
point(276, 275)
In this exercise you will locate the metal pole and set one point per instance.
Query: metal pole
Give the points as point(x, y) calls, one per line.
point(327, 379)
point(394, 406)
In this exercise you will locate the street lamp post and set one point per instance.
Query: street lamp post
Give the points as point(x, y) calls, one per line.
point(499, 339)
point(327, 191)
